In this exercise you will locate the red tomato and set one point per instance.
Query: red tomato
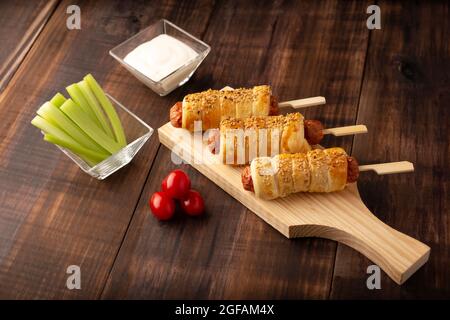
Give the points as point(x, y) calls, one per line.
point(162, 205)
point(193, 205)
point(177, 184)
point(164, 185)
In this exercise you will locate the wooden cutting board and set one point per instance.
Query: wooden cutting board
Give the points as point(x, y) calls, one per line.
point(340, 216)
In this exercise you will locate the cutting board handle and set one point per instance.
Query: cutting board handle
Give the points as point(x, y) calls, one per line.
point(398, 254)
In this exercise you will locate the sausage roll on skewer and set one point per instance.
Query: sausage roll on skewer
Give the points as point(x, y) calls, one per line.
point(212, 106)
point(241, 140)
point(319, 170)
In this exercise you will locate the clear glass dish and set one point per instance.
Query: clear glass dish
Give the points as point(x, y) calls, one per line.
point(136, 131)
point(177, 77)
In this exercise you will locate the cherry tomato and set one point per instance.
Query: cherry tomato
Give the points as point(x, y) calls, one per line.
point(162, 205)
point(193, 205)
point(164, 185)
point(177, 184)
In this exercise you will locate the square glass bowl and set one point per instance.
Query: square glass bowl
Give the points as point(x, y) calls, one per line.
point(136, 131)
point(179, 76)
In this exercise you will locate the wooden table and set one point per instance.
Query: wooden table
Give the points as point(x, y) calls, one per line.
point(395, 80)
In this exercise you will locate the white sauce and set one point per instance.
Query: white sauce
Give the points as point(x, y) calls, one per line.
point(160, 56)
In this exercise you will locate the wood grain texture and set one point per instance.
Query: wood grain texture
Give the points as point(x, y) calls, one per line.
point(404, 100)
point(340, 216)
point(228, 253)
point(21, 23)
point(231, 253)
point(52, 215)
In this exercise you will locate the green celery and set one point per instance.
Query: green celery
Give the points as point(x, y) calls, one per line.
point(58, 100)
point(78, 98)
point(55, 116)
point(95, 106)
point(48, 127)
point(91, 157)
point(89, 126)
point(108, 108)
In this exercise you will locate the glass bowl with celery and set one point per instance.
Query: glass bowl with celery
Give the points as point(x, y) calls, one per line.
point(92, 128)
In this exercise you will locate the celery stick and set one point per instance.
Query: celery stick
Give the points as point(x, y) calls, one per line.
point(56, 117)
point(91, 157)
point(109, 110)
point(58, 100)
point(89, 127)
point(48, 127)
point(95, 106)
point(77, 96)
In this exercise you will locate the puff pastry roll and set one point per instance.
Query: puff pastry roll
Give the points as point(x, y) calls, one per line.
point(212, 106)
point(319, 170)
point(242, 140)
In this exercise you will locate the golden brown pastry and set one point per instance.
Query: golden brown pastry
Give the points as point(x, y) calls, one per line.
point(212, 106)
point(319, 170)
point(242, 140)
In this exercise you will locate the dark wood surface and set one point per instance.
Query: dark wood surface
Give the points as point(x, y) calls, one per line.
point(395, 80)
point(232, 253)
point(404, 100)
point(21, 24)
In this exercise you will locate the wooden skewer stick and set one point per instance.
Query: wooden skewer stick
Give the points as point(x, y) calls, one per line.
point(296, 104)
point(302, 103)
point(389, 167)
point(345, 131)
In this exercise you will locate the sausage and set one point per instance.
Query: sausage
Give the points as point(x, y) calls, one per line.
point(176, 113)
point(313, 131)
point(246, 178)
point(273, 111)
point(352, 174)
point(352, 169)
